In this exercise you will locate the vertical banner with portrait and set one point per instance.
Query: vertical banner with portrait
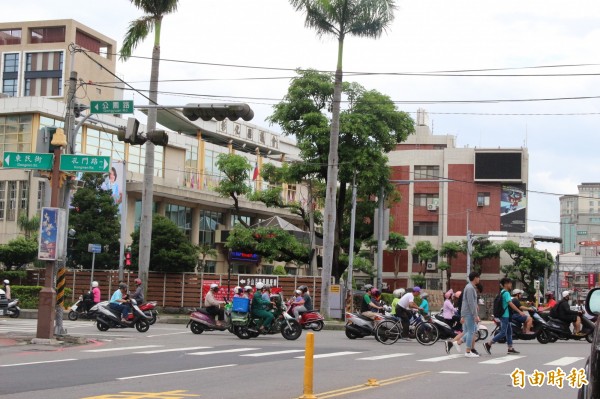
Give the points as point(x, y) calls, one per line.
point(114, 182)
point(53, 227)
point(513, 207)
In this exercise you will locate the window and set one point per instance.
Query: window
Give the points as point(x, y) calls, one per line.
point(43, 73)
point(2, 199)
point(237, 218)
point(24, 195)
point(137, 157)
point(423, 172)
point(104, 143)
point(483, 199)
point(426, 199)
point(11, 62)
point(425, 228)
point(138, 213)
point(10, 74)
point(9, 87)
point(15, 133)
point(212, 174)
point(50, 34)
point(209, 221)
point(291, 193)
point(191, 165)
point(10, 36)
point(12, 200)
point(181, 216)
point(210, 266)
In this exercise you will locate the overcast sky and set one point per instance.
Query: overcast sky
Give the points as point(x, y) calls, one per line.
point(426, 36)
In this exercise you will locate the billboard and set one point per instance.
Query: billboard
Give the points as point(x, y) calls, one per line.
point(53, 227)
point(513, 208)
point(498, 166)
point(115, 182)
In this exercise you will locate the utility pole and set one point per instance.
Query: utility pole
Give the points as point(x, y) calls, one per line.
point(469, 244)
point(311, 226)
point(380, 233)
point(351, 248)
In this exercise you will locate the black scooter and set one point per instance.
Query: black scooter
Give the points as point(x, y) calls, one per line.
point(540, 329)
point(562, 330)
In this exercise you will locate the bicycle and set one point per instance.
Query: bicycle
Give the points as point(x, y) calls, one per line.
point(390, 331)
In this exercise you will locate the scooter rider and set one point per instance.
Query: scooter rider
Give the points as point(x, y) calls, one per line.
point(367, 306)
point(138, 295)
point(119, 300)
point(550, 304)
point(563, 312)
point(304, 304)
point(260, 308)
point(7, 289)
point(247, 292)
point(213, 305)
point(525, 320)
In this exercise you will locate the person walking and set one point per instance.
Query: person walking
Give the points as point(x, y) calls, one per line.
point(505, 326)
point(469, 316)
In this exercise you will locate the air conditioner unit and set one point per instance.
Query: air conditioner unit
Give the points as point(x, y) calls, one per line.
point(430, 265)
point(432, 207)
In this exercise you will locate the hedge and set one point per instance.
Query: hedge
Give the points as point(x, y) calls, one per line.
point(29, 296)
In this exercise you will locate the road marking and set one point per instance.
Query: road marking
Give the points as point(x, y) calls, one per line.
point(193, 348)
point(453, 372)
point(175, 372)
point(385, 356)
point(564, 361)
point(502, 359)
point(330, 355)
point(162, 335)
point(30, 363)
point(122, 349)
point(364, 387)
point(441, 358)
point(273, 353)
point(223, 351)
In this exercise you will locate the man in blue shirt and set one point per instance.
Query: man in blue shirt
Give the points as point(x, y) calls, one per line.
point(505, 327)
point(118, 301)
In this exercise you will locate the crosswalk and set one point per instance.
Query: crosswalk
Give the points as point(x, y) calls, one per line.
point(26, 326)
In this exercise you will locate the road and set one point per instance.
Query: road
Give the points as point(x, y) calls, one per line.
point(170, 362)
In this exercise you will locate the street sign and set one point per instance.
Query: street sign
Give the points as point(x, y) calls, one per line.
point(84, 163)
point(94, 248)
point(27, 160)
point(111, 107)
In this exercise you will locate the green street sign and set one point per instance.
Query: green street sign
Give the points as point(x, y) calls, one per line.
point(84, 163)
point(111, 107)
point(27, 160)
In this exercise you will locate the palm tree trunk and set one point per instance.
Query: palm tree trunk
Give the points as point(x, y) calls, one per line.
point(332, 177)
point(148, 187)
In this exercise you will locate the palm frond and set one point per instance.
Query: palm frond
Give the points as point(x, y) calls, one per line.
point(137, 32)
point(156, 8)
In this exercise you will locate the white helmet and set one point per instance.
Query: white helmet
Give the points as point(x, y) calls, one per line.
point(566, 294)
point(260, 285)
point(94, 284)
point(517, 291)
point(213, 286)
point(399, 292)
point(247, 288)
point(298, 292)
point(6, 282)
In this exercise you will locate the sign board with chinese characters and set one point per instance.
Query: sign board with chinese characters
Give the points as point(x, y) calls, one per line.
point(111, 107)
point(53, 227)
point(94, 248)
point(84, 163)
point(27, 160)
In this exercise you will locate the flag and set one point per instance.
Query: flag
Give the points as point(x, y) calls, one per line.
point(255, 175)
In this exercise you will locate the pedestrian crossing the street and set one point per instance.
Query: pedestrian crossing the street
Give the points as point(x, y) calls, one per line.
point(26, 326)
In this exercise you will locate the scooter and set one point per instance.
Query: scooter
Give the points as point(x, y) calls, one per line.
point(539, 329)
point(562, 330)
point(447, 332)
point(110, 318)
point(148, 309)
point(201, 320)
point(77, 310)
point(359, 326)
point(308, 320)
point(13, 309)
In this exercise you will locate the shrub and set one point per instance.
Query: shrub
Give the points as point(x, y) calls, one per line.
point(29, 295)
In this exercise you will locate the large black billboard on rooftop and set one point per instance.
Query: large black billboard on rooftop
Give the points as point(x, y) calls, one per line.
point(498, 166)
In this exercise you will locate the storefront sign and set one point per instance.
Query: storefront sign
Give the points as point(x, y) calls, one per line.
point(243, 256)
point(591, 280)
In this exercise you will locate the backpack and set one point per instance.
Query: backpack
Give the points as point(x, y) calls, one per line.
point(498, 309)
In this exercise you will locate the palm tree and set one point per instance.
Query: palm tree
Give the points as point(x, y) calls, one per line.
point(205, 250)
point(138, 30)
point(396, 243)
point(29, 226)
point(450, 250)
point(363, 18)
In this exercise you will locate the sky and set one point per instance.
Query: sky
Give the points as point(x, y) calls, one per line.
point(532, 37)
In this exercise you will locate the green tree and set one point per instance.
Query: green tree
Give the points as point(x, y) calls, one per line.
point(272, 243)
point(171, 250)
point(18, 252)
point(204, 250)
point(425, 252)
point(396, 243)
point(482, 250)
point(279, 271)
point(339, 18)
point(94, 218)
point(139, 29)
point(371, 126)
point(236, 170)
point(528, 265)
point(450, 251)
point(29, 226)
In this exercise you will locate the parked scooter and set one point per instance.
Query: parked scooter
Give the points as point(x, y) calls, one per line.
point(109, 318)
point(539, 329)
point(201, 320)
point(310, 320)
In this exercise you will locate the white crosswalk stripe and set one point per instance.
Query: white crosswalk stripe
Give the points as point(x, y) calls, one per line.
point(223, 351)
point(502, 359)
point(273, 353)
point(563, 361)
point(441, 358)
point(391, 355)
point(334, 354)
point(29, 326)
point(194, 348)
point(123, 348)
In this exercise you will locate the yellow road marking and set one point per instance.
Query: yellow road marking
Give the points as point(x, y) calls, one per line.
point(363, 387)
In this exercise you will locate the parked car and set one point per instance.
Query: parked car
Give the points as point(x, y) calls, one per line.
point(592, 366)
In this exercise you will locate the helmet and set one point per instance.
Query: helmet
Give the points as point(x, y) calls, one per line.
point(457, 294)
point(424, 295)
point(517, 291)
point(247, 288)
point(6, 282)
point(416, 289)
point(213, 286)
point(94, 284)
point(303, 288)
point(566, 294)
point(138, 281)
point(298, 292)
point(399, 292)
point(260, 286)
point(376, 292)
point(367, 287)
point(448, 294)
point(550, 294)
point(238, 290)
point(122, 286)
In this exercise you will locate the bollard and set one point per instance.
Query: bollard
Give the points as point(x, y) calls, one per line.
point(309, 351)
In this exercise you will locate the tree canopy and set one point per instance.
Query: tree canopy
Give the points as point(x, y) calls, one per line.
point(18, 252)
point(425, 251)
point(528, 265)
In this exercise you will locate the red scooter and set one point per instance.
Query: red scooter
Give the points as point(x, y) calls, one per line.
point(311, 320)
point(149, 310)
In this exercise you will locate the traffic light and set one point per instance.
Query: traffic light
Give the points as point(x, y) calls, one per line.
point(128, 258)
point(219, 112)
point(133, 136)
point(44, 139)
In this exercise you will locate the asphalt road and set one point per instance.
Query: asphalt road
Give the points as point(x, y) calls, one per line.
point(170, 362)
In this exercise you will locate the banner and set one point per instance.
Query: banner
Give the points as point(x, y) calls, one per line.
point(114, 182)
point(53, 227)
point(513, 204)
point(591, 280)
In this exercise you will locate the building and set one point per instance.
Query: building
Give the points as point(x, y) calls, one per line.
point(33, 74)
point(35, 59)
point(447, 191)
